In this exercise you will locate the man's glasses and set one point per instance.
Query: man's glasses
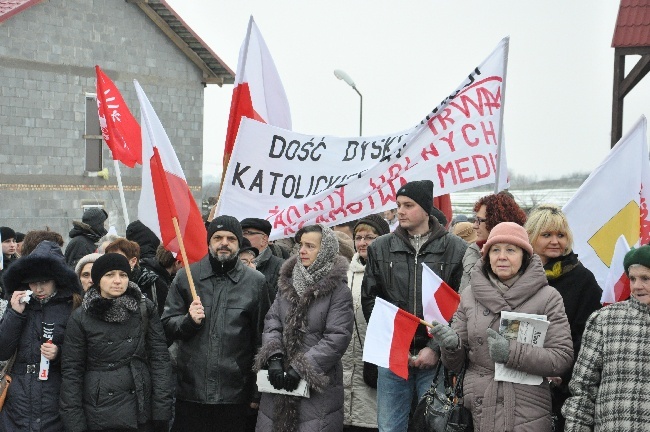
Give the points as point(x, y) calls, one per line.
point(248, 233)
point(367, 238)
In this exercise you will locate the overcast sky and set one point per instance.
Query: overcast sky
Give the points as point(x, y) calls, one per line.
point(405, 57)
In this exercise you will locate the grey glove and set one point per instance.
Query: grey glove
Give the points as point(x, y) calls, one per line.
point(445, 336)
point(498, 346)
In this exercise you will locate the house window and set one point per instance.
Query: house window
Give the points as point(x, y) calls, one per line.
point(93, 135)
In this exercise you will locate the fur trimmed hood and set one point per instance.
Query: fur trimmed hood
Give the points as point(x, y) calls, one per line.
point(47, 259)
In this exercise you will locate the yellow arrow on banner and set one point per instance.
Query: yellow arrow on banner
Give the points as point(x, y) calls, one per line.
point(626, 222)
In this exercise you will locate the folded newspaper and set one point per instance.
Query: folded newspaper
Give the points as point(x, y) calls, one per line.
point(264, 386)
point(524, 328)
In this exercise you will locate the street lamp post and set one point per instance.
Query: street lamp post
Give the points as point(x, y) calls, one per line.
point(345, 77)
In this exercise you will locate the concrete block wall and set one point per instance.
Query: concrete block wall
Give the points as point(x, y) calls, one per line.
point(47, 58)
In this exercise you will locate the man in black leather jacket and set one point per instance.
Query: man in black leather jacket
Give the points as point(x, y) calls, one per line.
point(219, 334)
point(394, 273)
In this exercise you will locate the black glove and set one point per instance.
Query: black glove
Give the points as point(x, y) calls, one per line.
point(291, 380)
point(161, 425)
point(276, 372)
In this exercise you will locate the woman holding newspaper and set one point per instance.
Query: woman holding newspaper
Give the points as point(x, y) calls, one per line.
point(306, 332)
point(504, 386)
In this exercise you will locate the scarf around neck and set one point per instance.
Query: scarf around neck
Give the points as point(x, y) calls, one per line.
point(305, 277)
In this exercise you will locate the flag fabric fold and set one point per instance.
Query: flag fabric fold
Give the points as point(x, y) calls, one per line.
point(258, 92)
point(439, 300)
point(165, 192)
point(617, 284)
point(388, 337)
point(120, 130)
point(613, 201)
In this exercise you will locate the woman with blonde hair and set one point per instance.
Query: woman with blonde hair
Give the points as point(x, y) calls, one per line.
point(550, 235)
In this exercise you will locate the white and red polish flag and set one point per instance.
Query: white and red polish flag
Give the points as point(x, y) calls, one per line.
point(120, 130)
point(439, 300)
point(258, 92)
point(165, 192)
point(617, 284)
point(388, 337)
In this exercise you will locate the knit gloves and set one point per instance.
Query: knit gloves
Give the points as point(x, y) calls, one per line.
point(446, 336)
point(498, 346)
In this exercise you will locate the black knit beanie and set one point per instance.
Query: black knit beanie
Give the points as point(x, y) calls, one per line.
point(7, 233)
point(95, 217)
point(420, 191)
point(377, 222)
point(109, 262)
point(225, 223)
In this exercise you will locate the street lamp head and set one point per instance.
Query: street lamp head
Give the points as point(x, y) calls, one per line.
point(345, 77)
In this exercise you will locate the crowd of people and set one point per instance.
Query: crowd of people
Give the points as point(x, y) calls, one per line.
point(113, 333)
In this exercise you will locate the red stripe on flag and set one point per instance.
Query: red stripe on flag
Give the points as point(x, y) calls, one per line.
point(447, 300)
point(404, 328)
point(174, 199)
point(622, 288)
point(240, 106)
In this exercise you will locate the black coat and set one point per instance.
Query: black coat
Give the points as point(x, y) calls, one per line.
point(215, 358)
point(112, 378)
point(581, 294)
point(33, 405)
point(270, 268)
point(83, 239)
point(394, 271)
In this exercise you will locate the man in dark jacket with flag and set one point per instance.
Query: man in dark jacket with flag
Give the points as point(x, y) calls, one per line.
point(219, 333)
point(394, 273)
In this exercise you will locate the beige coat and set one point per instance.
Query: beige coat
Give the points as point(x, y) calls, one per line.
point(360, 400)
point(499, 406)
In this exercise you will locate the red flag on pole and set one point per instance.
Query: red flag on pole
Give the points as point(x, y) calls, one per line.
point(120, 130)
point(165, 193)
point(258, 92)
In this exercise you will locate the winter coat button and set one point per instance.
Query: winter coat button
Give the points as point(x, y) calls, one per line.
point(110, 342)
point(110, 365)
point(132, 391)
point(479, 340)
point(129, 340)
point(110, 393)
point(486, 312)
point(479, 401)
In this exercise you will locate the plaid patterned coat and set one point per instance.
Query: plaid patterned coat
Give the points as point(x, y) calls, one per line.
point(611, 379)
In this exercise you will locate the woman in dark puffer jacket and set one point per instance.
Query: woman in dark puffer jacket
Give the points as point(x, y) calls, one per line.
point(34, 328)
point(116, 367)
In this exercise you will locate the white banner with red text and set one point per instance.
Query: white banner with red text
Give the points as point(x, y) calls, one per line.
point(293, 179)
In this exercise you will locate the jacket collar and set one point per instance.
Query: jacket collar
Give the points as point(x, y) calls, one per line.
point(205, 270)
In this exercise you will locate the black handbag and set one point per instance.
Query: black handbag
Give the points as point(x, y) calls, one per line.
point(441, 408)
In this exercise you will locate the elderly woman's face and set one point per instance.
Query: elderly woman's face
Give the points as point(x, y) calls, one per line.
point(640, 283)
point(550, 244)
point(113, 284)
point(85, 276)
point(309, 247)
point(505, 260)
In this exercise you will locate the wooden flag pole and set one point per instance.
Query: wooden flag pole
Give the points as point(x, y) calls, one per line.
point(190, 280)
point(426, 323)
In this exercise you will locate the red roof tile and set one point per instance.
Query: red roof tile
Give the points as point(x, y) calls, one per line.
point(632, 24)
point(9, 8)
